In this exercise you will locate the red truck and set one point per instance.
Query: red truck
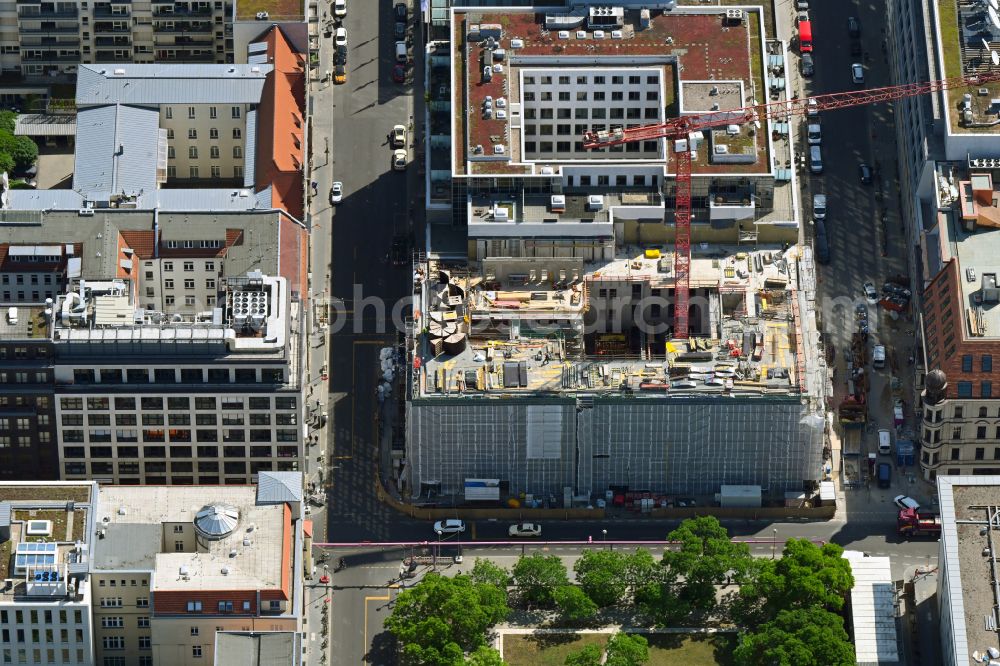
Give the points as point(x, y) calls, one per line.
point(912, 524)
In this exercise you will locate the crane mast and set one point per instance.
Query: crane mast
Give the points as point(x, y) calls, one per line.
point(682, 127)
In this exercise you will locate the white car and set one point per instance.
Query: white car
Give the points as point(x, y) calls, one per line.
point(337, 192)
point(858, 73)
point(525, 530)
point(340, 8)
point(398, 137)
point(399, 157)
point(870, 294)
point(450, 526)
point(812, 108)
point(340, 36)
point(904, 502)
point(815, 134)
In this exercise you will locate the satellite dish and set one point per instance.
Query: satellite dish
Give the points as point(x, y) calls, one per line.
point(995, 57)
point(986, 44)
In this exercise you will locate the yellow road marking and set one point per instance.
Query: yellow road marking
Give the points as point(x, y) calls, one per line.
point(386, 597)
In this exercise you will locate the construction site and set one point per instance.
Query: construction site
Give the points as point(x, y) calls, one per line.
point(564, 380)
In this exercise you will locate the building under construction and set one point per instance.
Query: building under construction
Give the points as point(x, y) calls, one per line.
point(544, 362)
point(564, 380)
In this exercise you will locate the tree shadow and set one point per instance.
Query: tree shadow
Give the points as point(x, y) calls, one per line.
point(548, 640)
point(383, 649)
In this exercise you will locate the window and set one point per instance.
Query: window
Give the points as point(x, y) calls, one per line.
point(193, 152)
point(189, 300)
point(213, 133)
point(193, 172)
point(987, 363)
point(196, 649)
point(114, 642)
point(170, 152)
point(958, 412)
point(192, 133)
point(237, 152)
point(142, 620)
point(168, 300)
point(237, 133)
point(225, 606)
point(955, 454)
point(986, 389)
point(979, 452)
point(194, 607)
point(112, 622)
point(111, 602)
point(237, 112)
point(956, 433)
point(213, 112)
point(190, 113)
point(189, 284)
point(981, 433)
point(209, 265)
point(965, 389)
point(168, 266)
point(170, 112)
point(967, 363)
point(237, 172)
point(144, 643)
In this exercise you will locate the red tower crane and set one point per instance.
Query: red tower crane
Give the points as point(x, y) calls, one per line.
point(680, 128)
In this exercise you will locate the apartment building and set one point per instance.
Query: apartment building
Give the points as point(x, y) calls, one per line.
point(547, 363)
point(51, 38)
point(206, 389)
point(187, 137)
point(177, 569)
point(959, 324)
point(46, 602)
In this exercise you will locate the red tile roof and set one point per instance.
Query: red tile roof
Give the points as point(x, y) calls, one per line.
point(280, 151)
point(143, 243)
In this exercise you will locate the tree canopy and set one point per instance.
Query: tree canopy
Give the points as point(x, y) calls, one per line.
point(441, 618)
point(601, 574)
point(573, 603)
point(489, 573)
point(589, 655)
point(537, 576)
point(800, 637)
point(627, 650)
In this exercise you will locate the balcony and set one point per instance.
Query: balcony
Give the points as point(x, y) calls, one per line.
point(108, 12)
point(181, 26)
point(182, 41)
point(29, 13)
point(110, 27)
point(183, 56)
point(111, 56)
point(48, 57)
point(30, 42)
point(178, 10)
point(122, 42)
point(49, 29)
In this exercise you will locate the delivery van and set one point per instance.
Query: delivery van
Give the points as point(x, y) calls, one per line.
point(878, 357)
point(884, 442)
point(805, 37)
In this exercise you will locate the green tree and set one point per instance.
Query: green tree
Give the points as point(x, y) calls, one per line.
point(21, 148)
point(627, 650)
point(589, 655)
point(641, 570)
point(601, 574)
point(537, 576)
point(8, 120)
point(6, 163)
point(485, 656)
point(806, 576)
point(441, 618)
point(704, 558)
point(800, 637)
point(573, 603)
point(486, 572)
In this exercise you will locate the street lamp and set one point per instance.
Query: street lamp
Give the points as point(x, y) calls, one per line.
point(604, 536)
point(774, 540)
point(437, 550)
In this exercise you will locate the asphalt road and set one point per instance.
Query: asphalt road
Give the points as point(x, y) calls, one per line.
point(364, 284)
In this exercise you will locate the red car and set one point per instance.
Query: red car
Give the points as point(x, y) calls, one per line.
point(399, 72)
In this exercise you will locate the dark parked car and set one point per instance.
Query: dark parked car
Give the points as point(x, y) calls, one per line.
point(884, 475)
point(340, 55)
point(399, 32)
point(822, 243)
point(853, 27)
point(806, 64)
point(865, 174)
point(399, 72)
point(399, 11)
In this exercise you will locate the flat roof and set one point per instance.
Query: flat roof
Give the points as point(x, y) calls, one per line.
point(962, 28)
point(707, 48)
point(260, 648)
point(277, 10)
point(969, 504)
point(873, 614)
point(979, 251)
point(133, 517)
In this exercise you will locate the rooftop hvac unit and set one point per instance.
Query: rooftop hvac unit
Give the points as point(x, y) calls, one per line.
point(558, 203)
point(732, 130)
point(86, 212)
point(595, 202)
point(500, 214)
point(499, 149)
